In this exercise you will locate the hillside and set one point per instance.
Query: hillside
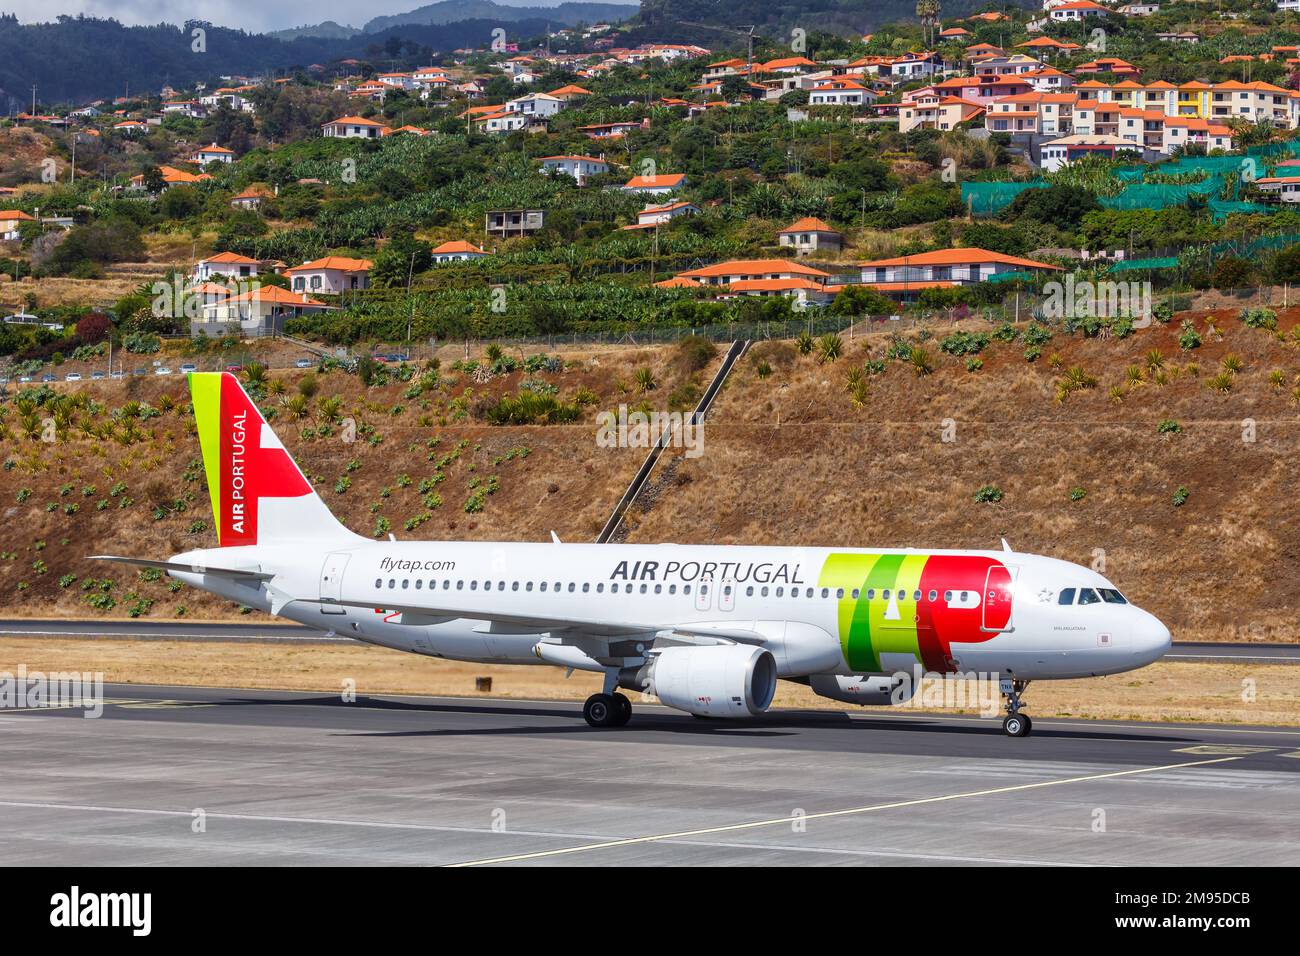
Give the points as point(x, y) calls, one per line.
point(794, 456)
point(450, 11)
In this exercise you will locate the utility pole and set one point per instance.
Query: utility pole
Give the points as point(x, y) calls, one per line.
point(33, 99)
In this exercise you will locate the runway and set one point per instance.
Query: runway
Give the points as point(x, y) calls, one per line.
point(258, 630)
point(177, 775)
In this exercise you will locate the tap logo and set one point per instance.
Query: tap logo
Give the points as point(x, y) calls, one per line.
point(244, 461)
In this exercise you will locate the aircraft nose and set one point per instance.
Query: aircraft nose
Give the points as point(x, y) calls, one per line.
point(1151, 639)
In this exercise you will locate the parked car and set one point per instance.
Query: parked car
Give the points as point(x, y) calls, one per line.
point(24, 378)
point(189, 367)
point(303, 363)
point(138, 371)
point(234, 368)
point(118, 374)
point(47, 378)
point(72, 377)
point(162, 370)
point(96, 376)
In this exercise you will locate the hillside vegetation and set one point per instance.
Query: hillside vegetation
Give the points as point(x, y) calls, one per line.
point(1171, 467)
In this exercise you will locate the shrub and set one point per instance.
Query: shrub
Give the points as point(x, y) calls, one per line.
point(1232, 363)
point(1181, 496)
point(1078, 494)
point(1188, 337)
point(1168, 426)
point(963, 343)
point(1220, 383)
point(988, 494)
point(645, 380)
point(829, 347)
point(922, 364)
point(1259, 319)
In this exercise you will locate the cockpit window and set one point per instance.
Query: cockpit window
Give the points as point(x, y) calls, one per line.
point(1066, 596)
point(1111, 596)
point(1088, 596)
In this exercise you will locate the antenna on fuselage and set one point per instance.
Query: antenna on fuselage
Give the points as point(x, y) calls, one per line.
point(1006, 547)
point(555, 538)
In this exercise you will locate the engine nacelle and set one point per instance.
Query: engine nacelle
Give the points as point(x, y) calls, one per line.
point(869, 689)
point(726, 680)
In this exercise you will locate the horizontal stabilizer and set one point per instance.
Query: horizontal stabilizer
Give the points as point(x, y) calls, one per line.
point(246, 573)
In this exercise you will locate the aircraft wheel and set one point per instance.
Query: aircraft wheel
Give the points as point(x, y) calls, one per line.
point(601, 710)
point(1017, 725)
point(622, 709)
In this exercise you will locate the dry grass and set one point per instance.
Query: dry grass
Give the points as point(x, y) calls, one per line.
point(1162, 692)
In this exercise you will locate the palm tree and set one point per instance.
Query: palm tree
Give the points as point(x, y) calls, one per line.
point(928, 13)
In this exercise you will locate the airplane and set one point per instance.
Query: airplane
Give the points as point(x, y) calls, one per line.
point(707, 629)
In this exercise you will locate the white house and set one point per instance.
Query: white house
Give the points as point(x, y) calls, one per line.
point(1075, 10)
point(579, 167)
point(810, 234)
point(212, 153)
point(260, 309)
point(332, 275)
point(840, 93)
point(660, 185)
point(353, 127)
point(458, 250)
point(960, 266)
point(652, 216)
point(535, 104)
point(1285, 188)
point(225, 265)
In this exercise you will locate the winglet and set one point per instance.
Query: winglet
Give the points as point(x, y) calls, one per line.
point(1006, 547)
point(555, 538)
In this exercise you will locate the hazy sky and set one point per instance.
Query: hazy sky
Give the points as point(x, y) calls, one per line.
point(252, 15)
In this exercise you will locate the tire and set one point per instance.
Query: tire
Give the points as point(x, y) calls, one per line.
point(1016, 725)
point(622, 710)
point(600, 710)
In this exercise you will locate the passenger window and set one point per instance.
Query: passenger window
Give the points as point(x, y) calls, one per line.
point(809, 592)
point(1088, 596)
point(839, 592)
point(643, 589)
point(600, 588)
point(659, 588)
point(826, 592)
point(418, 584)
point(856, 592)
point(704, 589)
point(446, 584)
point(780, 592)
point(916, 596)
point(686, 589)
point(473, 585)
point(460, 585)
point(1066, 596)
point(514, 585)
point(871, 594)
point(528, 586)
point(749, 591)
point(672, 589)
point(406, 583)
point(585, 587)
point(379, 582)
point(570, 587)
point(934, 596)
point(763, 591)
point(392, 583)
point(947, 596)
point(884, 595)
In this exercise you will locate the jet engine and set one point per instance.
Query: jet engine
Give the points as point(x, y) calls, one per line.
point(725, 680)
point(869, 689)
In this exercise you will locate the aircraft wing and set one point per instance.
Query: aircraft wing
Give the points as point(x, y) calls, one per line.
point(503, 623)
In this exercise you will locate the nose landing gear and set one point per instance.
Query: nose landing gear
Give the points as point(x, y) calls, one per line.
point(1015, 724)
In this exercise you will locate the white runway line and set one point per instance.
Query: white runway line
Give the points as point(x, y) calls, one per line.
point(785, 821)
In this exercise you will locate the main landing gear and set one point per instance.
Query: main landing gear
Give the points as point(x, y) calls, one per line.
point(607, 710)
point(1015, 724)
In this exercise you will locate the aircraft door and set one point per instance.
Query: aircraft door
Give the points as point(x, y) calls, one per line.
point(703, 594)
point(331, 582)
point(727, 596)
point(997, 599)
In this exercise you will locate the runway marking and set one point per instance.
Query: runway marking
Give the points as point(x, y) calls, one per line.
point(486, 831)
point(826, 814)
point(1224, 749)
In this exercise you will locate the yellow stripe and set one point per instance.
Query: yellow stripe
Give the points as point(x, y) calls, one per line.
point(205, 394)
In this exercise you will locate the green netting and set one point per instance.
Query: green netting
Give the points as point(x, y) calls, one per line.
point(1011, 277)
point(1159, 195)
point(1130, 174)
point(1222, 209)
point(989, 199)
point(1137, 265)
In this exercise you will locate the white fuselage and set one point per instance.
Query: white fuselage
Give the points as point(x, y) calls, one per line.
point(433, 598)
